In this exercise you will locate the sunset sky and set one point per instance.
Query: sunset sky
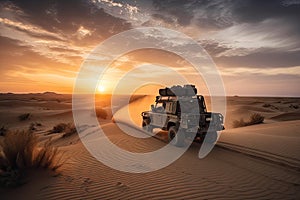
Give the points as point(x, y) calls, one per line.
point(255, 44)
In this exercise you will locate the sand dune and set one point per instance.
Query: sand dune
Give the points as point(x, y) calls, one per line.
point(254, 162)
point(278, 142)
point(223, 174)
point(287, 116)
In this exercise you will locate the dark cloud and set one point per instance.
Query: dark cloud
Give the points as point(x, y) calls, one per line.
point(175, 9)
point(214, 14)
point(53, 21)
point(255, 11)
point(251, 11)
point(204, 13)
point(164, 18)
point(274, 21)
point(213, 48)
point(66, 17)
point(264, 58)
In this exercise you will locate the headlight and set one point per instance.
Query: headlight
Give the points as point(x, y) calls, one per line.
point(208, 119)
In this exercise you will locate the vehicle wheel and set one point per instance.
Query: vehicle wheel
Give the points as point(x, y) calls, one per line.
point(147, 127)
point(211, 137)
point(176, 138)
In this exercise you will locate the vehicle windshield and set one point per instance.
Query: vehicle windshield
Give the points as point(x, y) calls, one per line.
point(160, 107)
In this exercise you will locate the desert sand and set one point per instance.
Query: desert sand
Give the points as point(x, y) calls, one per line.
point(253, 162)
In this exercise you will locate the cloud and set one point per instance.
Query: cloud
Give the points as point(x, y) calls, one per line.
point(243, 36)
point(251, 11)
point(83, 32)
point(121, 9)
point(265, 58)
point(54, 31)
point(65, 17)
point(111, 3)
point(240, 71)
point(30, 29)
point(242, 24)
point(24, 70)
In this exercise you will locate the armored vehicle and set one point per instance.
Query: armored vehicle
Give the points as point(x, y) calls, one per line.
point(181, 112)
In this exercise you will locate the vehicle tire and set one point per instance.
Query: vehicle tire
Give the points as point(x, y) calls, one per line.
point(211, 137)
point(176, 138)
point(147, 127)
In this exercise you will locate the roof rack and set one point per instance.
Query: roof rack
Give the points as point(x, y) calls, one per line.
point(177, 90)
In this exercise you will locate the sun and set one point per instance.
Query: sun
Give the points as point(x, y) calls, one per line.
point(101, 88)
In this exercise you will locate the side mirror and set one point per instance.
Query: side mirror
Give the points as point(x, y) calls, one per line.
point(152, 107)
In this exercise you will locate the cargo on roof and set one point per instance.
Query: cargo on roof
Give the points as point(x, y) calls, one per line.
point(177, 90)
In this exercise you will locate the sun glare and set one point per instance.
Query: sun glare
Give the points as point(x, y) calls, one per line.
point(101, 88)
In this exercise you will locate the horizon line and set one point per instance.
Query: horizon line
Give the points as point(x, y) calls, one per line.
point(51, 92)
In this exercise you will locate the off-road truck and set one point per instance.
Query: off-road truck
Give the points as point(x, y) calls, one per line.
point(181, 112)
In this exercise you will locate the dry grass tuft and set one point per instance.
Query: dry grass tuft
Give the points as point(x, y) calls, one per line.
point(3, 130)
point(238, 123)
point(25, 116)
point(267, 105)
point(20, 151)
point(294, 106)
point(255, 118)
point(68, 129)
point(59, 128)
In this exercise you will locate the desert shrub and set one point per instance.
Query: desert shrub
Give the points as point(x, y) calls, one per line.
point(101, 113)
point(70, 130)
point(238, 123)
point(266, 105)
point(20, 151)
point(294, 106)
point(3, 130)
point(24, 116)
point(255, 118)
point(59, 128)
point(33, 126)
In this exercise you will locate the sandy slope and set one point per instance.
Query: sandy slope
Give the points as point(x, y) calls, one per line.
point(223, 174)
point(255, 162)
point(281, 138)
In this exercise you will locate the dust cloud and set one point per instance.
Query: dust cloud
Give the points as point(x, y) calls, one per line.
point(130, 114)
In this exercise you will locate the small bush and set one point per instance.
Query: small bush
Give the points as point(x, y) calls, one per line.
point(238, 123)
point(255, 118)
point(294, 106)
point(20, 152)
point(24, 116)
point(70, 130)
point(59, 128)
point(3, 130)
point(101, 113)
point(266, 105)
point(33, 126)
